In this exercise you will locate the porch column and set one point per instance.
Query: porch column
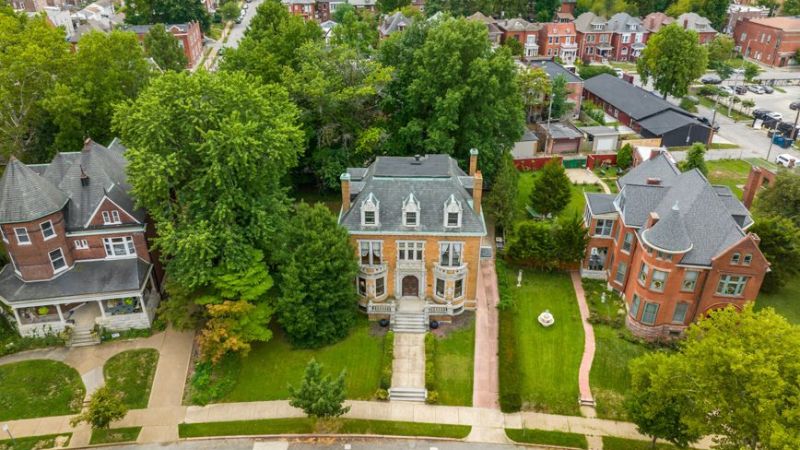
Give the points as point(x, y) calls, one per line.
point(16, 316)
point(60, 314)
point(142, 302)
point(152, 282)
point(102, 311)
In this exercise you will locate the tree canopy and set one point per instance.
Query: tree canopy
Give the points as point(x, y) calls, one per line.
point(451, 92)
point(165, 49)
point(145, 12)
point(673, 59)
point(501, 202)
point(695, 159)
point(189, 137)
point(317, 304)
point(535, 87)
point(551, 190)
point(780, 243)
point(781, 198)
point(319, 396)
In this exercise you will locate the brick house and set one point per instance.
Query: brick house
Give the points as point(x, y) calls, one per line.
point(76, 243)
point(645, 112)
point(524, 32)
point(307, 9)
point(673, 246)
point(417, 227)
point(698, 23)
point(628, 37)
point(189, 36)
point(394, 23)
point(737, 13)
point(559, 40)
point(495, 33)
point(654, 21)
point(593, 37)
point(772, 41)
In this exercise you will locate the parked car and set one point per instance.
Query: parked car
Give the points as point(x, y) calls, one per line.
point(740, 89)
point(768, 89)
point(240, 18)
point(619, 72)
point(786, 160)
point(794, 106)
point(775, 115)
point(711, 79)
point(727, 90)
point(787, 129)
point(755, 88)
point(760, 113)
point(705, 121)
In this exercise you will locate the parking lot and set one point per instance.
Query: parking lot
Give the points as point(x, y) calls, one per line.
point(777, 101)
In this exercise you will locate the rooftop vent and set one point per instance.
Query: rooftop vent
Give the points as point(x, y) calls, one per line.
point(84, 178)
point(417, 160)
point(654, 181)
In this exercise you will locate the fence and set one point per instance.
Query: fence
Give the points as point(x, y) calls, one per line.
point(593, 161)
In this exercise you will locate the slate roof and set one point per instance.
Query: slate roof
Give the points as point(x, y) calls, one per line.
point(585, 21)
point(694, 217)
point(433, 181)
point(696, 22)
point(85, 278)
point(668, 120)
point(621, 22)
point(395, 22)
point(31, 192)
point(600, 203)
point(555, 69)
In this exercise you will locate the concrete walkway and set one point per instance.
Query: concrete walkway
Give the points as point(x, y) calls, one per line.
point(588, 349)
point(485, 391)
point(408, 365)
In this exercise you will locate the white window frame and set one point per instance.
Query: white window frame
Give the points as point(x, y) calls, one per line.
point(53, 260)
point(411, 206)
point(25, 233)
point(663, 281)
point(452, 206)
point(111, 218)
point(451, 246)
point(81, 244)
point(127, 244)
point(627, 244)
point(382, 291)
point(436, 287)
point(747, 259)
point(3, 235)
point(371, 247)
point(49, 223)
point(622, 270)
point(370, 204)
point(603, 227)
point(736, 258)
point(361, 281)
point(415, 249)
point(644, 269)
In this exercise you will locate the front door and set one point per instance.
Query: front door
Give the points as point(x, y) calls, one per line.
point(410, 286)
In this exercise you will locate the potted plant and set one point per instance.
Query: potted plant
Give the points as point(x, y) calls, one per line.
point(43, 310)
point(128, 301)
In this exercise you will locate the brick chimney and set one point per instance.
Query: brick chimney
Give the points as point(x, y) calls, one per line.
point(473, 161)
point(477, 191)
point(345, 178)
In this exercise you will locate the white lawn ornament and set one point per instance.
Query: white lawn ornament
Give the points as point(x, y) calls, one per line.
point(519, 279)
point(603, 297)
point(546, 319)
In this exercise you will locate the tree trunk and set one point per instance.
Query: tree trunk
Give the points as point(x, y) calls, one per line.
point(653, 445)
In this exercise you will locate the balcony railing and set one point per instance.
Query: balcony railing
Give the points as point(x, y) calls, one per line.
point(450, 270)
point(380, 308)
point(373, 269)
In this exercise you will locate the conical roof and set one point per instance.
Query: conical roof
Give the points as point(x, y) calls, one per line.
point(669, 233)
point(26, 196)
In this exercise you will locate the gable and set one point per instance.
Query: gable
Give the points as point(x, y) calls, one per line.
point(107, 206)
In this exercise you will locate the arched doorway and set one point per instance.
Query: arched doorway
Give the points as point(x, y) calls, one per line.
point(410, 286)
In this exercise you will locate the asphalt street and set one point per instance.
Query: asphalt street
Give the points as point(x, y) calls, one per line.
point(318, 444)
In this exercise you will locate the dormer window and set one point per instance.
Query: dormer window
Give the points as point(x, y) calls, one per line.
point(369, 211)
point(411, 211)
point(111, 217)
point(452, 213)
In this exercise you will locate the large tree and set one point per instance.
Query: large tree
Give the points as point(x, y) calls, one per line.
point(551, 189)
point(34, 57)
point(339, 94)
point(781, 198)
point(207, 153)
point(144, 12)
point(165, 50)
point(452, 92)
point(317, 304)
point(780, 243)
point(501, 202)
point(357, 30)
point(695, 159)
point(270, 43)
point(673, 58)
point(559, 105)
point(108, 68)
point(535, 87)
point(738, 371)
point(720, 49)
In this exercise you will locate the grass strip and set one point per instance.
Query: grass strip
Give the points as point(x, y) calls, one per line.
point(615, 443)
point(131, 373)
point(307, 426)
point(35, 442)
point(114, 435)
point(542, 437)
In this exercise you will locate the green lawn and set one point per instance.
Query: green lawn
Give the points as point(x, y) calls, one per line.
point(306, 426)
point(729, 172)
point(722, 108)
point(269, 368)
point(610, 379)
point(114, 435)
point(576, 203)
point(785, 302)
point(454, 360)
point(546, 359)
point(614, 443)
point(39, 388)
point(542, 437)
point(35, 442)
point(131, 373)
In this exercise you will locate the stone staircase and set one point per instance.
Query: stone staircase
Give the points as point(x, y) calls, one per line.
point(409, 322)
point(82, 337)
point(406, 394)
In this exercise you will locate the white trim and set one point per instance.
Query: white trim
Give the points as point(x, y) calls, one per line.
point(27, 235)
point(84, 244)
point(97, 208)
point(106, 231)
point(127, 241)
point(52, 229)
point(3, 235)
point(63, 258)
point(454, 234)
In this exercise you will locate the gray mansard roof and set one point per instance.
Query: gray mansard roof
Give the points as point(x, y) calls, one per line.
point(695, 218)
point(105, 277)
point(432, 181)
point(30, 192)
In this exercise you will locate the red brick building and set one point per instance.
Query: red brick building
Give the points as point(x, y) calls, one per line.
point(189, 36)
point(673, 246)
point(628, 37)
point(526, 33)
point(772, 41)
point(77, 245)
point(559, 40)
point(307, 9)
point(593, 38)
point(737, 13)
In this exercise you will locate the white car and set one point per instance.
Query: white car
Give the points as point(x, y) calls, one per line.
point(727, 89)
point(620, 72)
point(775, 115)
point(786, 160)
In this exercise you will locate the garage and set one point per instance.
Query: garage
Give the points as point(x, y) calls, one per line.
point(602, 139)
point(562, 138)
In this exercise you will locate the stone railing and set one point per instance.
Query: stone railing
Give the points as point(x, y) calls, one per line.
point(450, 272)
point(373, 269)
point(380, 308)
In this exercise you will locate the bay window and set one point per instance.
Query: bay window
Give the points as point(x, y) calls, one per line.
point(57, 260)
point(22, 236)
point(47, 230)
point(627, 243)
point(450, 254)
point(643, 274)
point(679, 315)
point(119, 247)
point(380, 286)
point(635, 306)
point(689, 280)
point(458, 291)
point(658, 281)
point(362, 286)
point(371, 252)
point(439, 287)
point(603, 227)
point(731, 285)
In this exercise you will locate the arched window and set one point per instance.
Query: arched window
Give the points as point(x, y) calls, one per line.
point(452, 213)
point(411, 211)
point(370, 211)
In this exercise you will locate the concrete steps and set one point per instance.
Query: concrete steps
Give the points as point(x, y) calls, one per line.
point(406, 322)
point(408, 394)
point(587, 402)
point(82, 338)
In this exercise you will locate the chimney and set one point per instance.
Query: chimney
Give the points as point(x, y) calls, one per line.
point(653, 181)
point(87, 144)
point(473, 161)
point(477, 191)
point(84, 178)
point(345, 191)
point(652, 220)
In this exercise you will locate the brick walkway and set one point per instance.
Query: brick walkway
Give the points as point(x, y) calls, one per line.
point(588, 347)
point(486, 385)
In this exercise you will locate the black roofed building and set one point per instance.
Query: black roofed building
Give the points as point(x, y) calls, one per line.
point(673, 245)
point(76, 244)
point(417, 225)
point(646, 113)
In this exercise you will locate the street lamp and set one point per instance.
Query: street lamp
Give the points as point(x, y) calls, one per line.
point(8, 431)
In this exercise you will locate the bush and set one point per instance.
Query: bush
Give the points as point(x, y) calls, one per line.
point(707, 91)
point(211, 383)
point(382, 394)
point(388, 358)
point(688, 105)
point(625, 157)
point(430, 367)
point(594, 112)
point(506, 301)
point(432, 398)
